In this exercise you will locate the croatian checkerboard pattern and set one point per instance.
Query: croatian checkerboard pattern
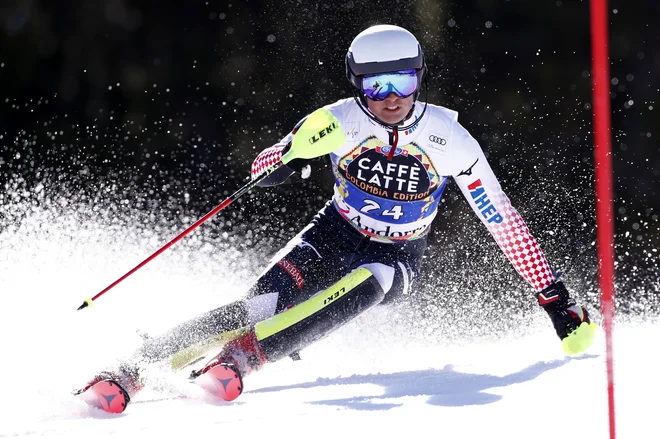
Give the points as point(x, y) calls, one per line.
point(518, 244)
point(266, 158)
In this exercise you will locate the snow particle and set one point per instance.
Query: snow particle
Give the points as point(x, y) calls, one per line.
point(270, 38)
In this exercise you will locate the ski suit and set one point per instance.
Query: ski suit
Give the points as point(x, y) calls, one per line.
point(387, 190)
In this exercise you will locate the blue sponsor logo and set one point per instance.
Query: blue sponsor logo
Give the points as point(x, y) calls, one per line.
point(411, 129)
point(481, 200)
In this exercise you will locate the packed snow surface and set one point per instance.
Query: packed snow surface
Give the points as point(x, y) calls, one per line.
point(371, 378)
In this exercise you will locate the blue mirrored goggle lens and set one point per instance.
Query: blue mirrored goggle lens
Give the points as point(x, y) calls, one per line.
point(378, 87)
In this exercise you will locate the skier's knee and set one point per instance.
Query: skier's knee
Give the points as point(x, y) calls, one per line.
point(261, 307)
point(394, 279)
point(384, 274)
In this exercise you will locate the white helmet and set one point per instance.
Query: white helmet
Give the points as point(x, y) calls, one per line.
point(380, 49)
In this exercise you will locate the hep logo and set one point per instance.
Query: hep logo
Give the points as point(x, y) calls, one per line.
point(483, 204)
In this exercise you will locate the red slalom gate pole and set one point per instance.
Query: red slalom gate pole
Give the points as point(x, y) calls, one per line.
point(603, 176)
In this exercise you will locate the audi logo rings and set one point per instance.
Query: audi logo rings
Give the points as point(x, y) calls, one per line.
point(438, 140)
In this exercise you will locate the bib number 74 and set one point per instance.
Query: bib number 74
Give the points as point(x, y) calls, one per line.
point(395, 212)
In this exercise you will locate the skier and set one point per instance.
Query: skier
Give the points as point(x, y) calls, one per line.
point(365, 246)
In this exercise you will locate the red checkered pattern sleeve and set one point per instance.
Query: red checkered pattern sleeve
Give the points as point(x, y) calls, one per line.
point(476, 179)
point(266, 158)
point(519, 246)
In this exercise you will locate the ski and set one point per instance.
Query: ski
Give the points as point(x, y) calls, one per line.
point(221, 380)
point(106, 395)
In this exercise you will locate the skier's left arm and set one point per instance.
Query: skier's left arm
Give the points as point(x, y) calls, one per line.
point(481, 188)
point(478, 183)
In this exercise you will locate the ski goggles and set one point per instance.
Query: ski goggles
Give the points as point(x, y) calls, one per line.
point(402, 83)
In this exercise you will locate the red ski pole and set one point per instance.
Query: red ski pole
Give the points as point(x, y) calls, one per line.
point(227, 202)
point(320, 134)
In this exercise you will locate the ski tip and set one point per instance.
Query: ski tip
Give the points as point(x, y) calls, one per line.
point(86, 303)
point(106, 395)
point(223, 381)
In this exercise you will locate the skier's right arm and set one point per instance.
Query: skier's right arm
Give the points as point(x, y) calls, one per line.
point(271, 155)
point(267, 158)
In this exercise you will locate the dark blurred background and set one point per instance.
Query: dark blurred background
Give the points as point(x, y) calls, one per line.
point(127, 107)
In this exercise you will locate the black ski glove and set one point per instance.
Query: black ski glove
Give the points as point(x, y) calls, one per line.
point(565, 314)
point(283, 173)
